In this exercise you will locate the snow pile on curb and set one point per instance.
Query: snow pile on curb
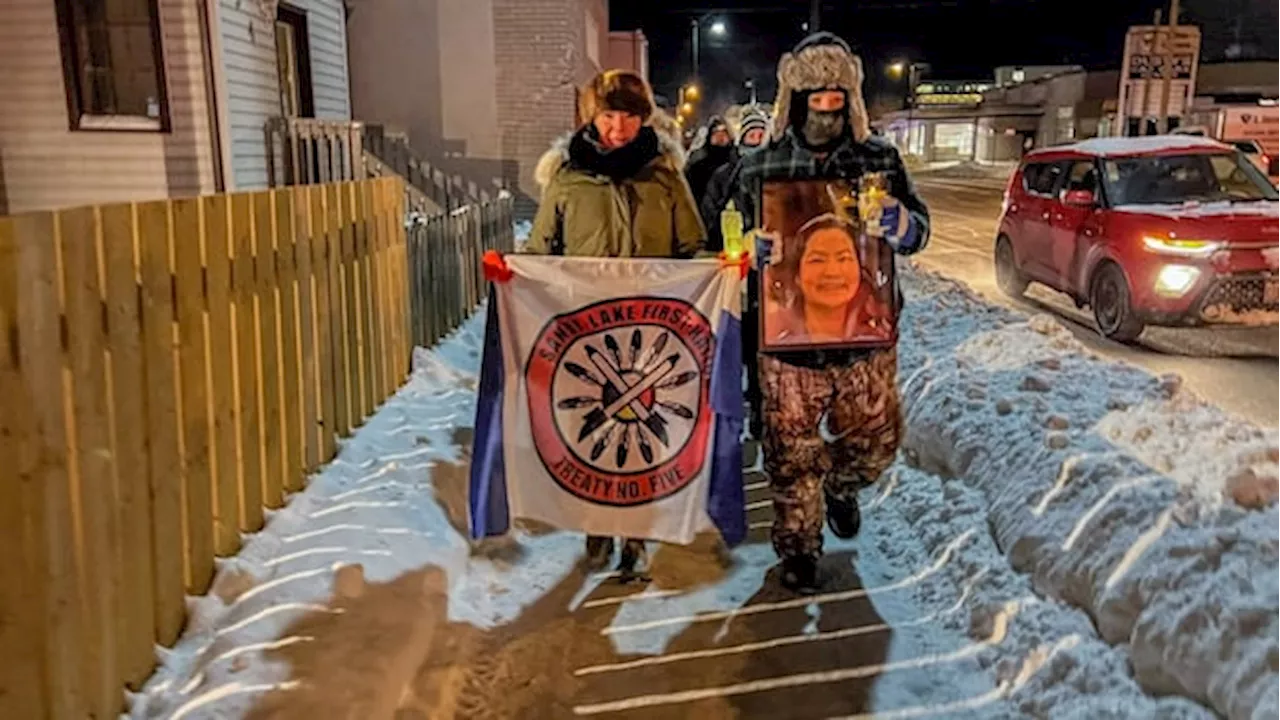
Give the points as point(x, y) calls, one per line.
point(1049, 662)
point(1107, 486)
point(970, 171)
point(345, 556)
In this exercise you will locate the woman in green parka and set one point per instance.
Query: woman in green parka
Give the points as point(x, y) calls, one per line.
point(616, 188)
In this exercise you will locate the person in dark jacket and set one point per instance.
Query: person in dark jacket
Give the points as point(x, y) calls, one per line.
point(752, 132)
point(614, 188)
point(715, 151)
point(831, 417)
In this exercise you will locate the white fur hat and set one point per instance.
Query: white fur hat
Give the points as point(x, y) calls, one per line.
point(821, 61)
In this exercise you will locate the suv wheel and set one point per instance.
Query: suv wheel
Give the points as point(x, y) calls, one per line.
point(1113, 305)
point(1010, 279)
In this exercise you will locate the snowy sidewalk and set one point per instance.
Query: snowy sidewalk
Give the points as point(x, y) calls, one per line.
point(363, 599)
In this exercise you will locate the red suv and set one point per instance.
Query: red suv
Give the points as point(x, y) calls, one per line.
point(1165, 230)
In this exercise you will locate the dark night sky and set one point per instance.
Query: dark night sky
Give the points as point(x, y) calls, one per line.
point(959, 38)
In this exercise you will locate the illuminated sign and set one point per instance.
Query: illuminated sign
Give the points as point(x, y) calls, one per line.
point(949, 99)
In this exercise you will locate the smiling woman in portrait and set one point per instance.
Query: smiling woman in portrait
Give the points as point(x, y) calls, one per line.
point(820, 293)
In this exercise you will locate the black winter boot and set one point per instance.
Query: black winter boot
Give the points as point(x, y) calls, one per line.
point(599, 551)
point(843, 516)
point(634, 563)
point(800, 574)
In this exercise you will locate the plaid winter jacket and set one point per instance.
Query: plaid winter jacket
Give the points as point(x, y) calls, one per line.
point(788, 159)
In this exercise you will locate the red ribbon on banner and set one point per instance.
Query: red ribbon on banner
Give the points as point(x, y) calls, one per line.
point(496, 268)
point(742, 260)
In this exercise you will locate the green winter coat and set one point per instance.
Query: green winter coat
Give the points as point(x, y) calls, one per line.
point(651, 214)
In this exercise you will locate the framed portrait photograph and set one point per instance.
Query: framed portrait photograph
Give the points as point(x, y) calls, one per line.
point(825, 284)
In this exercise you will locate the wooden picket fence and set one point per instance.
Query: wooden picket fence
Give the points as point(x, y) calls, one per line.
point(167, 370)
point(446, 281)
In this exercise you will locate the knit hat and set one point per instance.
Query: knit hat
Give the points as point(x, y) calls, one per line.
point(751, 120)
point(821, 61)
point(618, 90)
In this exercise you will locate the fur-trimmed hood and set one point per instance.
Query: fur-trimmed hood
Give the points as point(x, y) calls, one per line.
point(821, 61)
point(553, 159)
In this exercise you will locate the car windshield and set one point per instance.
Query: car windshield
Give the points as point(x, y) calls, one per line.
point(1176, 179)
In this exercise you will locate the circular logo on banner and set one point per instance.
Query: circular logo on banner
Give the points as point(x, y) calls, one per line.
point(618, 399)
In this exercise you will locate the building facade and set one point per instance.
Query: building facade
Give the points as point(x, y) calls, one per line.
point(491, 83)
point(104, 102)
point(277, 59)
point(629, 50)
point(1050, 109)
point(131, 100)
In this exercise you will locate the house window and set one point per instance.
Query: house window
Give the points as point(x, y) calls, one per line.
point(113, 65)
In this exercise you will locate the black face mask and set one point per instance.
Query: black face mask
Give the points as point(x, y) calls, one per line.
point(823, 127)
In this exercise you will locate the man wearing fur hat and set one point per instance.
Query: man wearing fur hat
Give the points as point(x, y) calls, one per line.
point(831, 417)
point(614, 188)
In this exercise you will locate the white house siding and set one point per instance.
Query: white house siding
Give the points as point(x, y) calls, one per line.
point(45, 165)
point(252, 86)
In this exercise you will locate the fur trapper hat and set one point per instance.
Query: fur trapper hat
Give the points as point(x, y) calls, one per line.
point(821, 61)
point(619, 90)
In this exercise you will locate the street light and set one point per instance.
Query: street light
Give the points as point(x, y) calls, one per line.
point(718, 29)
point(912, 69)
point(686, 109)
point(691, 93)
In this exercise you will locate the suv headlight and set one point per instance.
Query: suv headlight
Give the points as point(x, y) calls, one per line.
point(1184, 248)
point(1176, 280)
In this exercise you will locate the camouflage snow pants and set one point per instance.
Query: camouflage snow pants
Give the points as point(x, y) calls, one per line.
point(833, 429)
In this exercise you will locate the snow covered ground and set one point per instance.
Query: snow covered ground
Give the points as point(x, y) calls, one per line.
point(997, 173)
point(378, 514)
point(1060, 533)
point(521, 230)
point(1115, 491)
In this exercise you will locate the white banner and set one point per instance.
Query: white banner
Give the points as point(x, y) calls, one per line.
point(615, 416)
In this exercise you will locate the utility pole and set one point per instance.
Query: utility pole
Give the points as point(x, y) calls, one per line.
point(695, 25)
point(815, 15)
point(1166, 67)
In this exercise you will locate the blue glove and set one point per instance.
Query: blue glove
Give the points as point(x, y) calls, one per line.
point(900, 228)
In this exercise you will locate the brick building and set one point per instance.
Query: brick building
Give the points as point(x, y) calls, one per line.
point(480, 87)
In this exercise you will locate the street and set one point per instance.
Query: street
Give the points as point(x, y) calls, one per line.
point(1234, 368)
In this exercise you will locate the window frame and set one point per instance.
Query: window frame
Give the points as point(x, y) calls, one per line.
point(1043, 165)
point(77, 119)
point(297, 18)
